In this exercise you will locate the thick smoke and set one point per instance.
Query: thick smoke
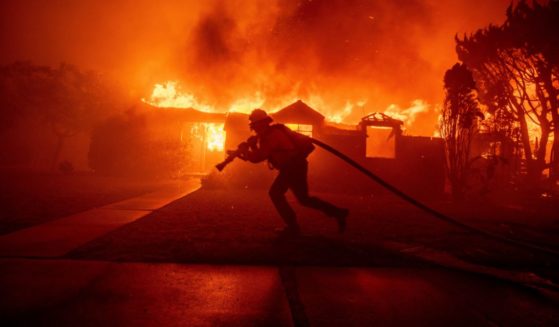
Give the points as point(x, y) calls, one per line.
point(341, 51)
point(352, 50)
point(333, 53)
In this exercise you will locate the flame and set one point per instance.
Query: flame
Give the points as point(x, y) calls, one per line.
point(245, 105)
point(346, 112)
point(212, 134)
point(170, 95)
point(215, 137)
point(167, 96)
point(407, 115)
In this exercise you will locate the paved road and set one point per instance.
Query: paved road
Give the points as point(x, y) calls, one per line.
point(96, 293)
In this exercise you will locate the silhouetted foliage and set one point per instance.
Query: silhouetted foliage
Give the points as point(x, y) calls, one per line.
point(515, 66)
point(458, 124)
point(123, 145)
point(63, 100)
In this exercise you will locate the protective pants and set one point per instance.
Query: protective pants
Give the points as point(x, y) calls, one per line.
point(294, 177)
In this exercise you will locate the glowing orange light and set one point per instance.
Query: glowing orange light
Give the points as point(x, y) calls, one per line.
point(215, 136)
point(407, 115)
point(212, 134)
point(170, 95)
point(167, 95)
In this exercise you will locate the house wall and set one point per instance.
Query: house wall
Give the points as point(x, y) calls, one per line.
point(418, 166)
point(417, 169)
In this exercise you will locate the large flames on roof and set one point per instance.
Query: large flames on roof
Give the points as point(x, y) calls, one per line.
point(170, 95)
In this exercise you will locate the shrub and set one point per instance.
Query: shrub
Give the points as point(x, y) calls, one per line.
point(124, 145)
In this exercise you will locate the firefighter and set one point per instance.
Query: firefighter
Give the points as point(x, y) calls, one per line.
point(277, 144)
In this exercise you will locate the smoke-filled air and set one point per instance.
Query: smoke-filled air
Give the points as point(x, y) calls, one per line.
point(279, 162)
point(345, 58)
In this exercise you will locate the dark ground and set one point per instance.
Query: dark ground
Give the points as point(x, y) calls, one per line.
point(237, 227)
point(28, 199)
point(212, 258)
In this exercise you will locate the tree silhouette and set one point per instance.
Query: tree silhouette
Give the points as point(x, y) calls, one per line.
point(64, 98)
point(124, 145)
point(516, 71)
point(458, 124)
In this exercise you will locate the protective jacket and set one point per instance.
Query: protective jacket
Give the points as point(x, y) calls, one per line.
point(275, 145)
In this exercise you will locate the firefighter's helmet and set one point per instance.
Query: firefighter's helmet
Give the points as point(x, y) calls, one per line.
point(259, 116)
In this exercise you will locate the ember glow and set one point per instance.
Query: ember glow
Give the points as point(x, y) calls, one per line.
point(211, 135)
point(408, 115)
point(345, 59)
point(166, 95)
point(215, 136)
point(170, 95)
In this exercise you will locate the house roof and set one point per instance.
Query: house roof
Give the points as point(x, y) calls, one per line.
point(183, 114)
point(298, 113)
point(380, 119)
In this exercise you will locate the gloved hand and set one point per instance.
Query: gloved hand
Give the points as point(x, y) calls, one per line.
point(252, 141)
point(243, 147)
point(241, 152)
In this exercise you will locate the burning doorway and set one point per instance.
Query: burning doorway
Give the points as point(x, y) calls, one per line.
point(206, 145)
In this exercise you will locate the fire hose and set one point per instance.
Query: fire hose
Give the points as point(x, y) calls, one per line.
point(415, 202)
point(426, 208)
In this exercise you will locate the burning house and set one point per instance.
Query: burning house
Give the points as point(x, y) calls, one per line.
point(201, 132)
point(413, 163)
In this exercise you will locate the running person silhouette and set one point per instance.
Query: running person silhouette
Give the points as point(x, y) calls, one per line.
point(280, 146)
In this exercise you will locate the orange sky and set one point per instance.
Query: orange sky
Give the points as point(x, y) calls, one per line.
point(341, 50)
